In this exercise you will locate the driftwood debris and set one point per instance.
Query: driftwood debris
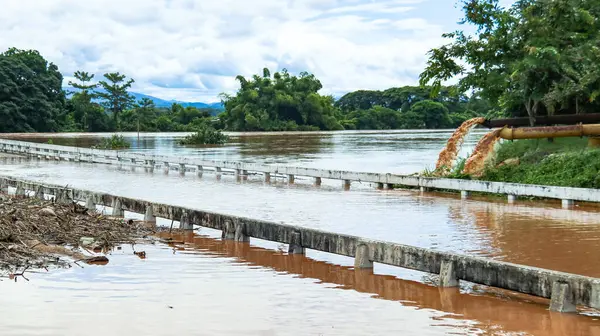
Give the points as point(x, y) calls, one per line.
point(35, 234)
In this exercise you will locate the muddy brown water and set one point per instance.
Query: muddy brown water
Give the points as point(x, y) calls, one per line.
point(222, 288)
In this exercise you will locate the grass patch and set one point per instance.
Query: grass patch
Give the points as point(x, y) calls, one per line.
point(536, 148)
point(565, 162)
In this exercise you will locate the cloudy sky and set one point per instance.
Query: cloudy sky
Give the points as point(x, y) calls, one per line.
point(192, 49)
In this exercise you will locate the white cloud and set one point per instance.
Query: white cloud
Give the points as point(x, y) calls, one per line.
point(192, 50)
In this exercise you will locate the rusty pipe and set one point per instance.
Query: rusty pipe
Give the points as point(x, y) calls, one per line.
point(568, 119)
point(549, 132)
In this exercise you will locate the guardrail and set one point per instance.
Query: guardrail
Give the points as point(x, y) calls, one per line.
point(513, 190)
point(565, 290)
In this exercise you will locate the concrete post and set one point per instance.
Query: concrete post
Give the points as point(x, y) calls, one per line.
point(4, 187)
point(566, 203)
point(39, 193)
point(20, 192)
point(149, 215)
point(228, 232)
point(181, 169)
point(562, 298)
point(267, 177)
point(511, 199)
point(117, 208)
point(464, 194)
point(184, 222)
point(423, 189)
point(61, 196)
point(240, 232)
point(362, 259)
point(166, 167)
point(152, 164)
point(448, 276)
point(346, 184)
point(318, 181)
point(89, 203)
point(291, 179)
point(295, 246)
point(199, 171)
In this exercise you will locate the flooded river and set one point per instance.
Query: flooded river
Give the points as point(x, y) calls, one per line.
point(224, 288)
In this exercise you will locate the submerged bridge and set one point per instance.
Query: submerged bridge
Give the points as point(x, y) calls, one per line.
point(564, 290)
point(182, 164)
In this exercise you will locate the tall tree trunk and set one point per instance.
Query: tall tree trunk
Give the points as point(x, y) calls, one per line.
point(531, 107)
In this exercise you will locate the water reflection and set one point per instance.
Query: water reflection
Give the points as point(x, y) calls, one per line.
point(491, 313)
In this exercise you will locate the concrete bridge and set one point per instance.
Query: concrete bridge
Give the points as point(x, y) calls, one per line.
point(564, 290)
point(381, 180)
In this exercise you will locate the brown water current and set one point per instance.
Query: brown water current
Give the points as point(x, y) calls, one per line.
point(223, 288)
point(450, 151)
point(476, 162)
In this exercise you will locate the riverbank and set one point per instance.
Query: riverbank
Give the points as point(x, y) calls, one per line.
point(565, 162)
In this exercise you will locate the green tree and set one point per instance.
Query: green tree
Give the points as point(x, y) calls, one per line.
point(82, 99)
point(535, 57)
point(31, 97)
point(433, 114)
point(279, 101)
point(145, 113)
point(115, 96)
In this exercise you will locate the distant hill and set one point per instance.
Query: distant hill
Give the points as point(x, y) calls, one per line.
point(165, 103)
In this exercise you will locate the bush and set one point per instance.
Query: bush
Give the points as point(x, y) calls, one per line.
point(114, 142)
point(205, 135)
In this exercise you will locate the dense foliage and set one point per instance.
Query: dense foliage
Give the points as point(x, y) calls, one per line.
point(534, 58)
point(205, 135)
point(408, 107)
point(114, 142)
point(281, 102)
point(31, 97)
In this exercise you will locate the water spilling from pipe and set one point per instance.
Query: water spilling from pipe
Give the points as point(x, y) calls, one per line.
point(448, 154)
point(476, 162)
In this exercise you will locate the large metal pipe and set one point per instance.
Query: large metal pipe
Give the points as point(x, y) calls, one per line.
point(567, 119)
point(549, 132)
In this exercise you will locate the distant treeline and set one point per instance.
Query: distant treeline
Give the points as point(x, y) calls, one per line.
point(32, 100)
point(283, 102)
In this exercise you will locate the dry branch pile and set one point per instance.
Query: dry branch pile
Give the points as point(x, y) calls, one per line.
point(37, 234)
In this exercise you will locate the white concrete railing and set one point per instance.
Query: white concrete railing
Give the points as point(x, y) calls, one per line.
point(567, 194)
point(565, 290)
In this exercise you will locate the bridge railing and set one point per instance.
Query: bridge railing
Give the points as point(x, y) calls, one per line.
point(513, 190)
point(565, 290)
